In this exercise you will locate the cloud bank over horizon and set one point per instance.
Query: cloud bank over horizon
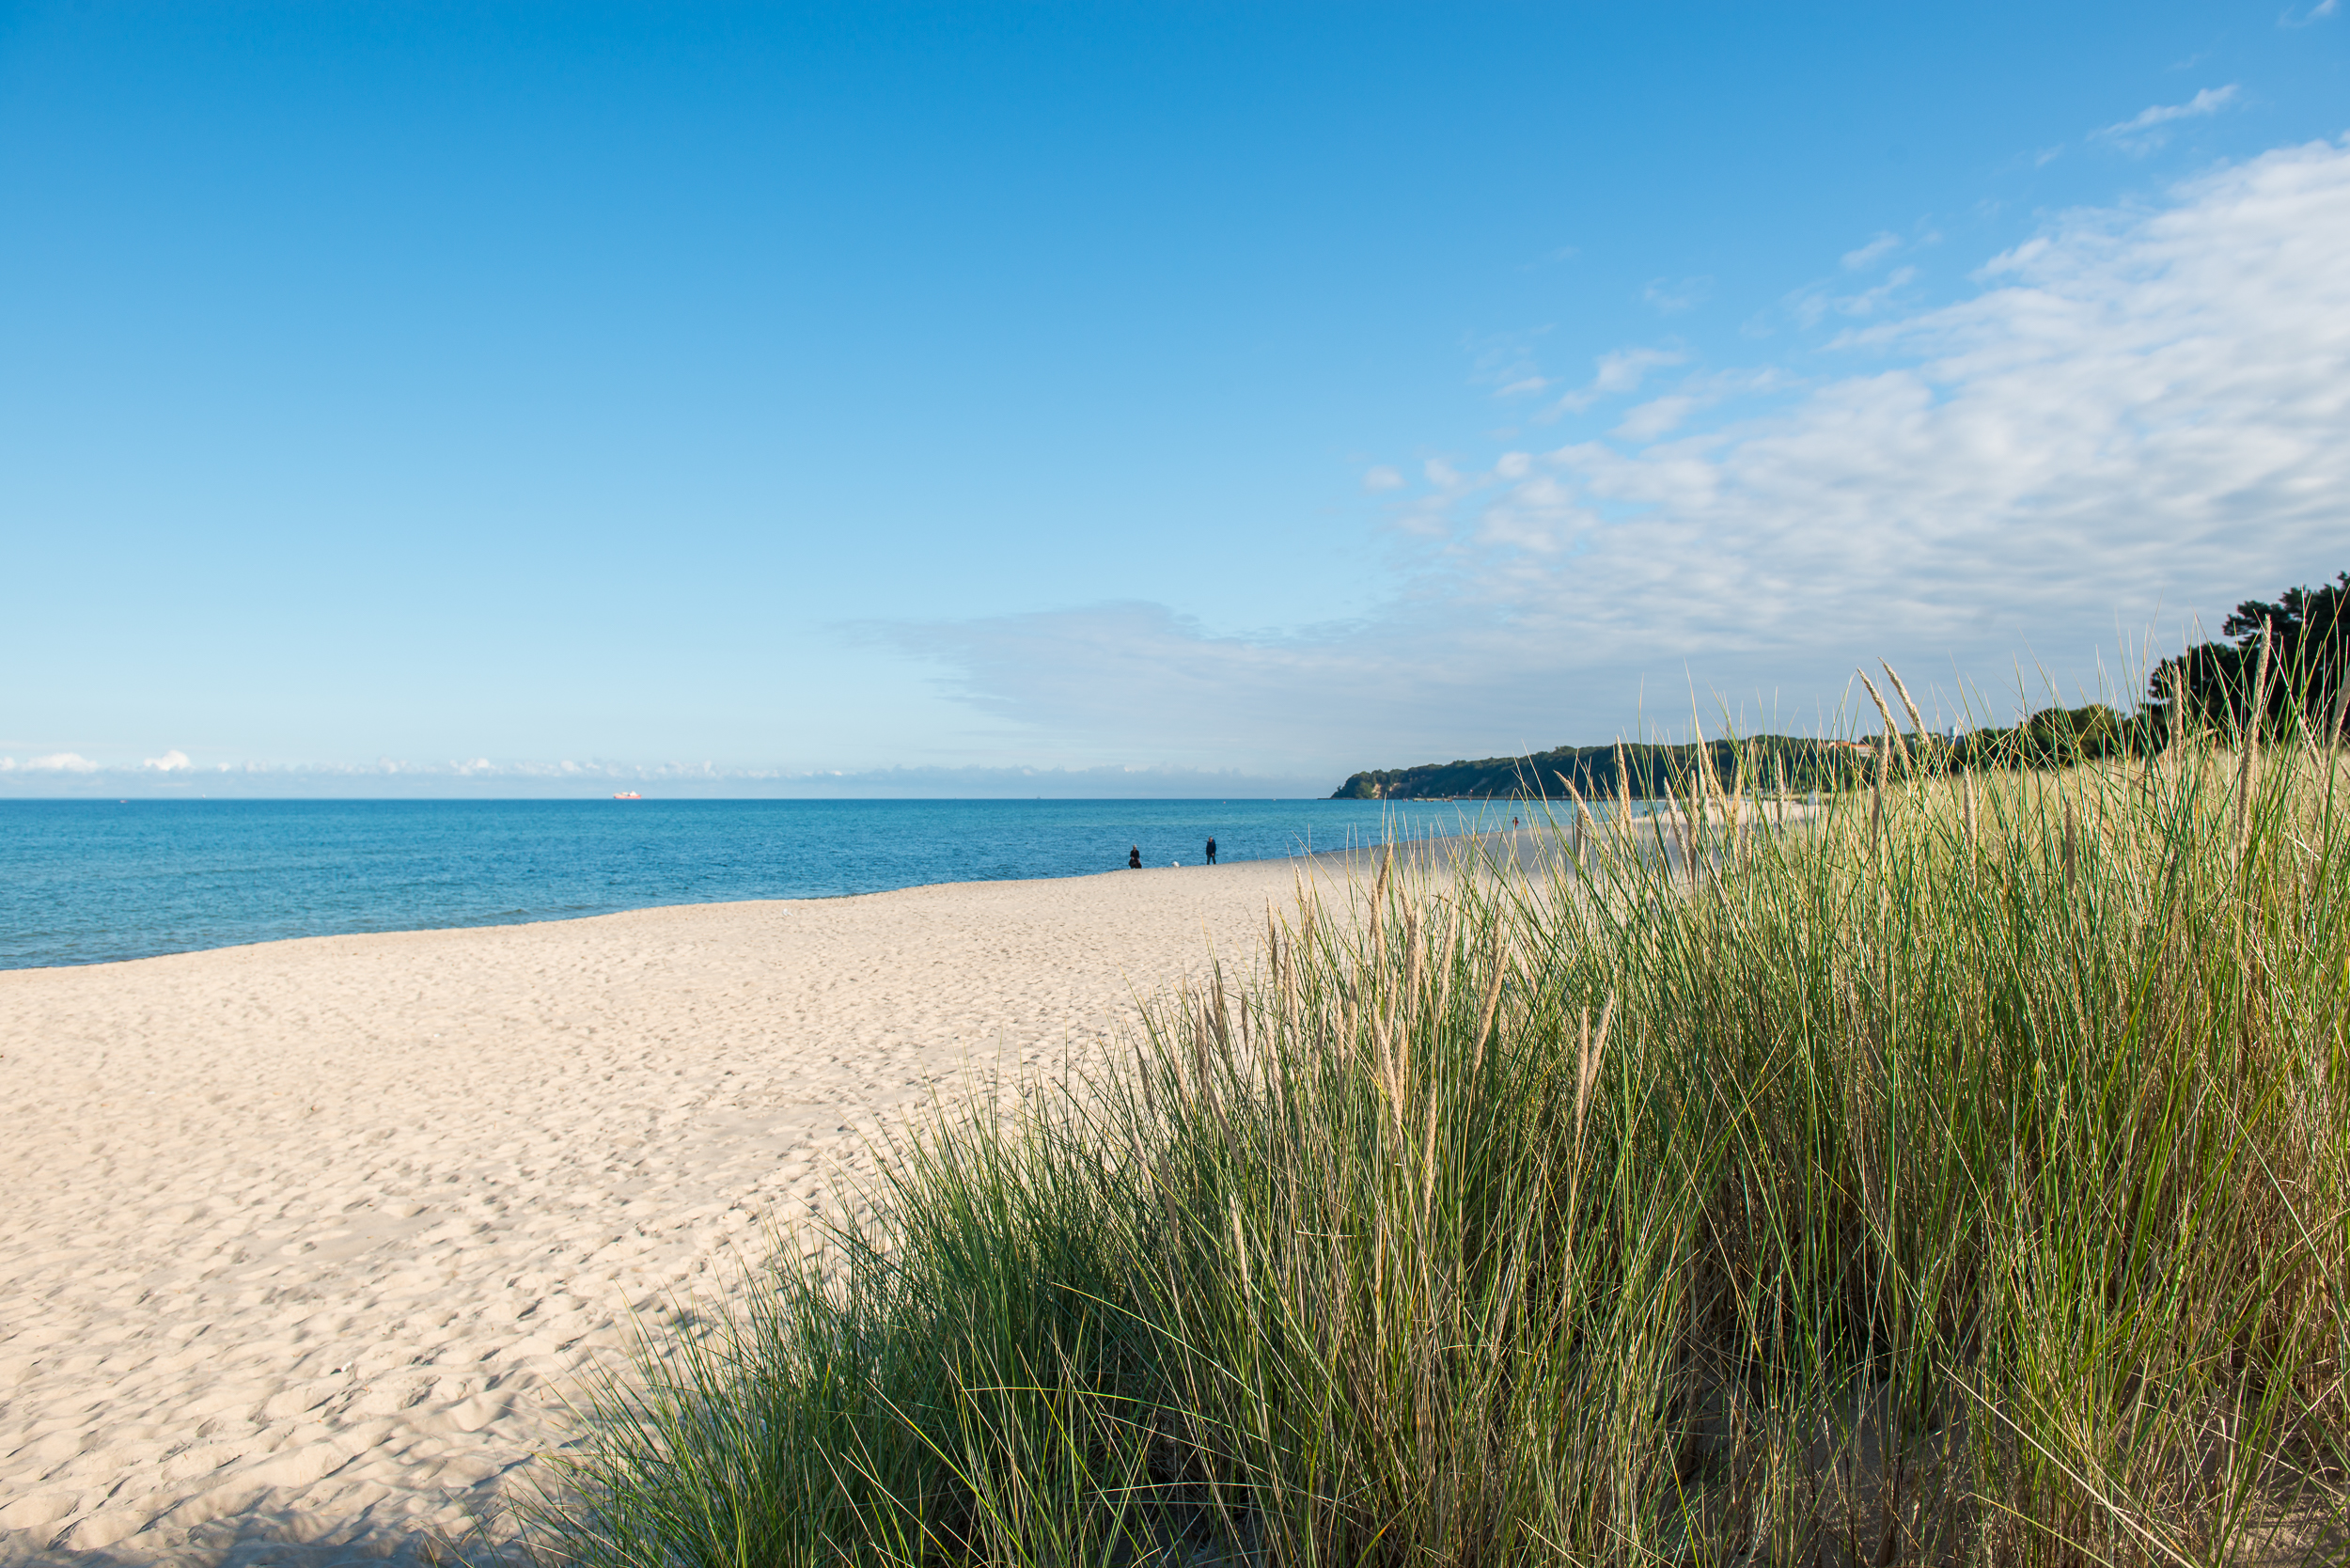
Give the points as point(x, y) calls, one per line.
point(2137, 419)
point(71, 775)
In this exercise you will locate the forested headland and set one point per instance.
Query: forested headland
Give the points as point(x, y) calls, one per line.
point(1602, 772)
point(2280, 659)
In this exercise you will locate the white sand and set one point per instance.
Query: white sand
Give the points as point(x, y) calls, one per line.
point(302, 1239)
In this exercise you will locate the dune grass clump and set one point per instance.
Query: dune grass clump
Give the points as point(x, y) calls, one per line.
point(1959, 1175)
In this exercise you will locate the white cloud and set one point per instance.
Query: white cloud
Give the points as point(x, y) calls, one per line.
point(1871, 300)
point(1505, 361)
point(62, 762)
point(389, 778)
point(1871, 254)
point(170, 761)
point(2318, 12)
point(1537, 513)
point(1660, 416)
point(1817, 302)
point(2140, 412)
point(1655, 417)
point(2144, 131)
point(1619, 372)
point(1623, 370)
point(1670, 297)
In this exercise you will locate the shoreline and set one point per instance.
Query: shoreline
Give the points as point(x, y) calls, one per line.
point(1525, 841)
point(1309, 857)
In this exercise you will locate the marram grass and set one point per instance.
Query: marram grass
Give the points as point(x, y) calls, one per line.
point(1962, 1175)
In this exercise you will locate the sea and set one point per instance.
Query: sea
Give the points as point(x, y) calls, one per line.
point(92, 881)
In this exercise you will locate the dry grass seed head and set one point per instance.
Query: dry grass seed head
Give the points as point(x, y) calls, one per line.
point(1497, 968)
point(1892, 730)
point(1623, 795)
point(1587, 1068)
point(1917, 720)
point(1413, 958)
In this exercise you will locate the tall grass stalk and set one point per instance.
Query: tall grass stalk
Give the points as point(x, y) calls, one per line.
point(1960, 1175)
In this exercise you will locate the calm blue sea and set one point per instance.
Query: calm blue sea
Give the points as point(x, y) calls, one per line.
point(86, 882)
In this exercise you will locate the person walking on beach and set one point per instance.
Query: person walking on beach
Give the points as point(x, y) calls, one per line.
point(1211, 852)
point(1133, 858)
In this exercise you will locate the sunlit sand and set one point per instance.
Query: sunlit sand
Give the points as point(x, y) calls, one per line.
point(305, 1240)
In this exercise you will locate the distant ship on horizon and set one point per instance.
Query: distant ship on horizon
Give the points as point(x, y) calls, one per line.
point(628, 794)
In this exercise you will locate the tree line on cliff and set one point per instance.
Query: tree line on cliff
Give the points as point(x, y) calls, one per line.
point(2283, 661)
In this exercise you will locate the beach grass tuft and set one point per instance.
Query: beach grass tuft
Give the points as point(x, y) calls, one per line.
point(1958, 1174)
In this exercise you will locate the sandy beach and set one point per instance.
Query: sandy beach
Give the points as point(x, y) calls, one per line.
point(305, 1240)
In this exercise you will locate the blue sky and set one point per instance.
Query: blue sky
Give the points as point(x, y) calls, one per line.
point(1144, 399)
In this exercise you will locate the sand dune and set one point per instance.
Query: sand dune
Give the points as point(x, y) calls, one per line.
point(305, 1240)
